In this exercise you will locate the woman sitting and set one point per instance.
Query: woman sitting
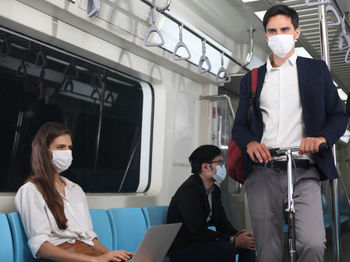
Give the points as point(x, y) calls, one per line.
point(54, 210)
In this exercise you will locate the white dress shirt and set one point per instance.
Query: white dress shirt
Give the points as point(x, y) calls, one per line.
point(39, 223)
point(281, 107)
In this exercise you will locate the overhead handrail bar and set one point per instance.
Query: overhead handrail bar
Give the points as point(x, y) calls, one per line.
point(325, 2)
point(166, 14)
point(93, 6)
point(226, 78)
point(203, 59)
point(153, 29)
point(331, 9)
point(5, 48)
point(179, 45)
point(40, 59)
point(160, 9)
point(251, 45)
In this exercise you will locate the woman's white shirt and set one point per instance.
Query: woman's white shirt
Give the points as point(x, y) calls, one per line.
point(39, 223)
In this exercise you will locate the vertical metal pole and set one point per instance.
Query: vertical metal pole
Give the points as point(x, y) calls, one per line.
point(102, 101)
point(334, 182)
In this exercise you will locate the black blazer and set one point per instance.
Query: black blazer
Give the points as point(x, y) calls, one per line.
point(323, 112)
point(190, 206)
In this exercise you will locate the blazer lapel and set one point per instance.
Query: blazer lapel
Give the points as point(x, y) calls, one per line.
point(261, 78)
point(301, 78)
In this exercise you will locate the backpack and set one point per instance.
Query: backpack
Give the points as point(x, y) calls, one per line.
point(234, 154)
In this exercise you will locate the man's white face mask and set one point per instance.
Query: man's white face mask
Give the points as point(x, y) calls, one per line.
point(281, 44)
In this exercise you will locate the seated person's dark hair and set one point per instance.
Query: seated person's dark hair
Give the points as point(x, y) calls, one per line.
point(203, 154)
point(281, 10)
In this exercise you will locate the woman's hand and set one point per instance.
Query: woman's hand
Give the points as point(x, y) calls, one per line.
point(116, 255)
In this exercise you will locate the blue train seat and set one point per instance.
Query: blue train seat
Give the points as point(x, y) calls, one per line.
point(6, 247)
point(327, 217)
point(102, 227)
point(344, 208)
point(19, 238)
point(155, 215)
point(128, 227)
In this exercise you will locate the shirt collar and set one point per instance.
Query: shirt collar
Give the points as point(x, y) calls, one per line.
point(69, 184)
point(292, 60)
point(207, 188)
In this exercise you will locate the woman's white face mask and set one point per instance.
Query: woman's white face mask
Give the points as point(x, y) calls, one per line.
point(61, 159)
point(281, 44)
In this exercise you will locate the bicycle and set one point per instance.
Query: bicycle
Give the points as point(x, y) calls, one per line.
point(290, 208)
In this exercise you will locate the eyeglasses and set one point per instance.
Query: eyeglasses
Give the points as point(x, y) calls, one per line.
point(219, 162)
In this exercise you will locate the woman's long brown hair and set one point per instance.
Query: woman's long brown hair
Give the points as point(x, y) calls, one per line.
point(43, 170)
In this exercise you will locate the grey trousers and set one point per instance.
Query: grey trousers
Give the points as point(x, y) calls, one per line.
point(267, 192)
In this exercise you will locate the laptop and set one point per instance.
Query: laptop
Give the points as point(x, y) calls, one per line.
point(156, 243)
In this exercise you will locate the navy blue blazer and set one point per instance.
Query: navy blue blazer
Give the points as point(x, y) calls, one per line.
point(323, 112)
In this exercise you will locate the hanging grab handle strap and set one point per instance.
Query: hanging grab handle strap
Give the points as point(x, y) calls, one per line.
point(347, 58)
point(5, 48)
point(71, 71)
point(154, 29)
point(22, 69)
point(68, 85)
point(343, 37)
point(93, 6)
point(176, 57)
point(40, 59)
point(109, 97)
point(226, 78)
point(96, 83)
point(203, 59)
point(331, 9)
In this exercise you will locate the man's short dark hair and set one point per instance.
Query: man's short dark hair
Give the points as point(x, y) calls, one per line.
point(281, 10)
point(203, 154)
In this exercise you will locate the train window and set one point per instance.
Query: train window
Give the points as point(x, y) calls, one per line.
point(108, 112)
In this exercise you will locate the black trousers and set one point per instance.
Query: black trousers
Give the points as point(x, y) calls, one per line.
point(214, 251)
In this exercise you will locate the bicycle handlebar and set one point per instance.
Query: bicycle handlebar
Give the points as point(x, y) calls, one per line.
point(281, 151)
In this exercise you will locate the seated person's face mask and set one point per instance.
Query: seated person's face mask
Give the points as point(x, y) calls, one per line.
point(281, 44)
point(220, 174)
point(61, 159)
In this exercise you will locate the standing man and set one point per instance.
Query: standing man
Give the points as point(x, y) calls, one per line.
point(296, 105)
point(197, 204)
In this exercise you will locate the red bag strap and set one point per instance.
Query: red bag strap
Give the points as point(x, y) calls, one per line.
point(254, 81)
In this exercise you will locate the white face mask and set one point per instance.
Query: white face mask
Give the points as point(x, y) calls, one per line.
point(220, 174)
point(61, 159)
point(281, 44)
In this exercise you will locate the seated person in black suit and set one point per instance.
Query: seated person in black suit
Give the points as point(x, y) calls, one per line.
point(197, 204)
